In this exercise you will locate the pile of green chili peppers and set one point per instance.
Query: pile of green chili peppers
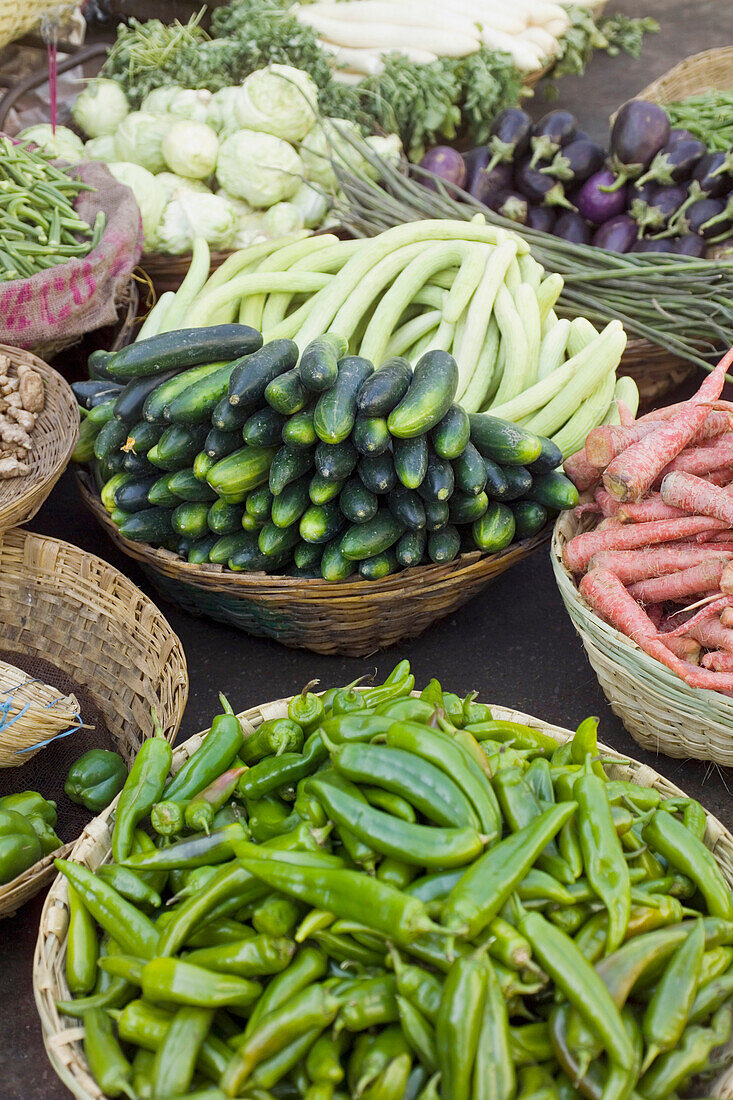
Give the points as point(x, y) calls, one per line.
point(39, 227)
point(390, 897)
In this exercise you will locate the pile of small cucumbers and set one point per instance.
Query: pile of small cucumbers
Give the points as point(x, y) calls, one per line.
point(223, 450)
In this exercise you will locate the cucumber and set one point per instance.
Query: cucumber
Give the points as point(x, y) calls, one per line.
point(219, 444)
point(84, 450)
point(113, 464)
point(110, 438)
point(238, 473)
point(465, 508)
point(357, 503)
point(444, 545)
point(252, 375)
point(289, 505)
point(264, 428)
point(108, 491)
point(364, 540)
point(453, 434)
point(371, 435)
point(92, 389)
point(432, 390)
point(288, 464)
point(187, 486)
point(554, 490)
point(495, 530)
point(103, 399)
point(131, 401)
point(319, 364)
point(407, 507)
point(200, 550)
point(519, 483)
point(410, 549)
point(250, 559)
point(550, 458)
point(334, 566)
point(495, 480)
point(335, 412)
point(321, 523)
point(439, 481)
point(380, 565)
point(143, 435)
point(196, 404)
point(225, 519)
point(165, 392)
point(299, 431)
point(529, 518)
point(97, 365)
point(377, 472)
point(411, 458)
point(335, 461)
point(152, 525)
point(322, 489)
point(274, 541)
point(118, 516)
point(191, 519)
point(182, 348)
point(384, 389)
point(259, 502)
point(161, 494)
point(202, 463)
point(228, 418)
point(249, 523)
point(101, 414)
point(287, 394)
point(437, 514)
point(503, 441)
point(469, 471)
point(228, 545)
point(182, 545)
point(178, 446)
point(306, 574)
point(307, 556)
point(138, 465)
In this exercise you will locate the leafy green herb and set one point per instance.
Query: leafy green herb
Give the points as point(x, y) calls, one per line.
point(584, 36)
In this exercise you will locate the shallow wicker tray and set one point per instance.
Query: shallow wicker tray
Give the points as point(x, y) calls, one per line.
point(62, 1035)
point(351, 618)
point(72, 609)
point(54, 438)
point(660, 711)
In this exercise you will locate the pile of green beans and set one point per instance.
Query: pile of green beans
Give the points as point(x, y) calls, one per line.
point(393, 897)
point(708, 116)
point(39, 227)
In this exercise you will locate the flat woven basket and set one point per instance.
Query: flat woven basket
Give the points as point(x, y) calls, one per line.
point(350, 618)
point(54, 438)
point(67, 607)
point(659, 710)
point(31, 714)
point(16, 19)
point(62, 1035)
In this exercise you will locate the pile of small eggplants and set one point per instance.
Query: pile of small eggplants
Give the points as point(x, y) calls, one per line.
point(391, 897)
point(657, 189)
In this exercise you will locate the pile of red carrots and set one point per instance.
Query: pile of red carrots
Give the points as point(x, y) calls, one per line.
point(658, 566)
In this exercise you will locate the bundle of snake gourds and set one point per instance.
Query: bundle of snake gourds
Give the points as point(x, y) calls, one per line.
point(388, 896)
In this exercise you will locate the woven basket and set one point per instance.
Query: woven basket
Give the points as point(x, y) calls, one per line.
point(168, 272)
point(349, 618)
point(655, 370)
point(16, 19)
point(62, 605)
point(62, 1035)
point(696, 74)
point(54, 438)
point(660, 711)
point(37, 712)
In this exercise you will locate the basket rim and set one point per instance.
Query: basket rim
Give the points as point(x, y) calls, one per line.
point(692, 61)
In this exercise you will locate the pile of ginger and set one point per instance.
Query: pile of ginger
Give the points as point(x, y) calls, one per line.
point(22, 398)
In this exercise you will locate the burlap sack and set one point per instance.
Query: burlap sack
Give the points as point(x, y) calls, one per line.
point(66, 301)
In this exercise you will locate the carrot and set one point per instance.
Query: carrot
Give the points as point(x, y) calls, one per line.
point(703, 615)
point(711, 634)
point(711, 681)
point(655, 611)
point(696, 495)
point(724, 476)
point(581, 472)
point(608, 505)
point(726, 616)
point(687, 649)
point(579, 551)
point(714, 455)
point(625, 414)
point(704, 577)
point(726, 581)
point(718, 661)
point(632, 472)
point(609, 523)
point(633, 565)
point(589, 508)
point(651, 508)
point(609, 440)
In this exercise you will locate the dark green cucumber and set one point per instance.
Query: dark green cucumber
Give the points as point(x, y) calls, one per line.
point(411, 458)
point(437, 514)
point(288, 464)
point(103, 399)
point(287, 394)
point(111, 437)
point(357, 503)
point(407, 507)
point(335, 461)
point(451, 436)
point(151, 525)
point(191, 519)
point(495, 530)
point(252, 374)
point(377, 472)
point(495, 480)
point(165, 392)
point(238, 473)
point(138, 465)
point(178, 446)
point(182, 545)
point(200, 550)
point(144, 435)
point(321, 523)
point(274, 541)
point(133, 495)
point(250, 559)
point(554, 490)
point(219, 444)
point(187, 486)
point(519, 483)
point(307, 556)
point(529, 517)
point(112, 464)
point(322, 489)
point(109, 489)
point(228, 418)
point(335, 412)
point(182, 348)
point(202, 463)
point(410, 549)
point(465, 508)
point(228, 545)
point(95, 390)
point(264, 428)
point(371, 435)
point(469, 471)
point(259, 502)
point(380, 565)
point(319, 364)
point(161, 494)
point(299, 431)
point(334, 566)
point(131, 401)
point(444, 545)
point(364, 540)
point(289, 505)
point(550, 458)
point(439, 481)
point(225, 519)
point(118, 516)
point(431, 393)
point(97, 365)
point(196, 404)
point(506, 443)
point(249, 523)
point(101, 414)
point(384, 389)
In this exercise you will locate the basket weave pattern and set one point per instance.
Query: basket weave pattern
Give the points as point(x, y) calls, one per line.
point(62, 1035)
point(76, 611)
point(16, 19)
point(696, 74)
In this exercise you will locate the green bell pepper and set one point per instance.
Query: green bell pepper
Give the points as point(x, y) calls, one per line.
point(20, 848)
point(30, 804)
point(95, 779)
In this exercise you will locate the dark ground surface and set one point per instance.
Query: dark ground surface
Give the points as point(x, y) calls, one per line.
point(514, 643)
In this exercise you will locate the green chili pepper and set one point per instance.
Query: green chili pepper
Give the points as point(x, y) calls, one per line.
point(284, 771)
point(315, 921)
point(422, 988)
point(110, 1069)
point(130, 928)
point(603, 857)
point(215, 754)
point(307, 967)
point(710, 997)
point(323, 1063)
point(530, 1043)
point(359, 726)
point(390, 802)
point(371, 1055)
point(539, 886)
point(272, 1070)
point(95, 779)
point(666, 1014)
point(142, 1070)
point(409, 709)
point(715, 962)
point(643, 798)
point(307, 709)
point(129, 885)
point(127, 967)
point(193, 851)
point(419, 1033)
point(358, 849)
point(585, 744)
point(175, 1060)
point(459, 1024)
point(273, 738)
point(269, 816)
point(521, 808)
point(347, 701)
point(307, 807)
point(396, 872)
point(199, 812)
point(509, 947)
point(178, 982)
point(147, 1025)
point(347, 950)
point(691, 1055)
point(141, 842)
point(521, 737)
point(276, 916)
point(569, 847)
point(368, 1003)
point(142, 789)
point(392, 1081)
point(687, 854)
point(82, 948)
point(249, 958)
point(694, 818)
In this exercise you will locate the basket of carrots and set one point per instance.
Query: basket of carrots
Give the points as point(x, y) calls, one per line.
point(643, 569)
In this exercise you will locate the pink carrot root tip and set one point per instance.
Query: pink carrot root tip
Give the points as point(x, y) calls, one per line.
point(688, 582)
point(698, 496)
point(578, 552)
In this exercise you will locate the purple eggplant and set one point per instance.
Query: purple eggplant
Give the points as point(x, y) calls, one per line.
point(639, 131)
point(599, 199)
point(677, 134)
point(511, 205)
point(645, 192)
point(555, 129)
point(509, 137)
point(580, 135)
point(539, 188)
point(446, 163)
point(572, 227)
point(675, 162)
point(616, 235)
point(576, 161)
point(542, 218)
point(648, 244)
point(482, 183)
point(708, 217)
point(655, 212)
point(712, 176)
point(689, 245)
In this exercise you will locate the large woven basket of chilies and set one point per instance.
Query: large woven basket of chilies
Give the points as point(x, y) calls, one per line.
point(467, 998)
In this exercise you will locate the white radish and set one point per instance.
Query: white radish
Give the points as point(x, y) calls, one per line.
point(526, 55)
point(488, 14)
point(393, 13)
point(373, 35)
point(364, 62)
point(345, 77)
point(538, 36)
point(557, 27)
point(540, 11)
